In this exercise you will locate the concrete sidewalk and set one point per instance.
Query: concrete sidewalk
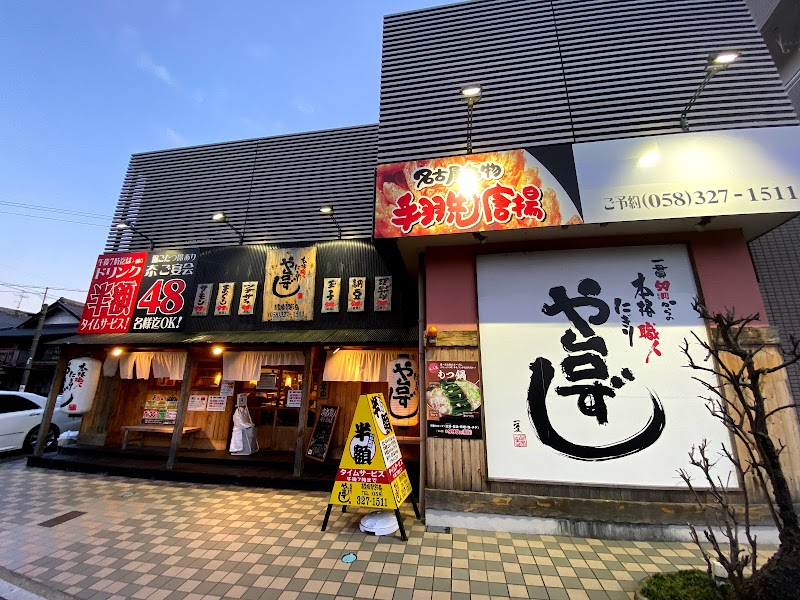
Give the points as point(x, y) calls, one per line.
point(156, 540)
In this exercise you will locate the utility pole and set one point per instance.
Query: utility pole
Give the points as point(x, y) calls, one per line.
point(34, 344)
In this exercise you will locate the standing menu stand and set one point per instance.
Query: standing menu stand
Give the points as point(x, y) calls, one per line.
point(371, 473)
point(320, 441)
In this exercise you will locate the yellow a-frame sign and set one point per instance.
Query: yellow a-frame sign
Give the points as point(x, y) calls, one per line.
point(371, 472)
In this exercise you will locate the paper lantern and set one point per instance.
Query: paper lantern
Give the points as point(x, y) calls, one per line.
point(402, 374)
point(80, 385)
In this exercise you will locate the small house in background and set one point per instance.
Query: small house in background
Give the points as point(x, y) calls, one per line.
point(17, 331)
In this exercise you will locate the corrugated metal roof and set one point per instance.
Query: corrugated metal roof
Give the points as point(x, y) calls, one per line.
point(310, 336)
point(556, 71)
point(11, 318)
point(270, 188)
point(47, 331)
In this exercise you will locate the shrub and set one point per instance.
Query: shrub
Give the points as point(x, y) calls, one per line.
point(681, 585)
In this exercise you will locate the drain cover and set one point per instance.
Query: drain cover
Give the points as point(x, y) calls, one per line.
point(349, 557)
point(128, 494)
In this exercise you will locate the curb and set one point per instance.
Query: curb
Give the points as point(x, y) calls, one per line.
point(32, 586)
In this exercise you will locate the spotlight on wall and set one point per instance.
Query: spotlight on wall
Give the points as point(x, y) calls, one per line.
point(116, 352)
point(716, 62)
point(720, 60)
point(471, 94)
point(216, 350)
point(221, 217)
point(127, 225)
point(327, 209)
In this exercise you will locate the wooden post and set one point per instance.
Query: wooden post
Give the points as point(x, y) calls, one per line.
point(183, 404)
point(299, 447)
point(55, 390)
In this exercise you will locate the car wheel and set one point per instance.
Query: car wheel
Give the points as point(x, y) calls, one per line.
point(33, 435)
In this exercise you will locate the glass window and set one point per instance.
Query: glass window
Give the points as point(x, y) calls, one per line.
point(288, 417)
point(10, 403)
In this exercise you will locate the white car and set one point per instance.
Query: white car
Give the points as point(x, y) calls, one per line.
point(20, 417)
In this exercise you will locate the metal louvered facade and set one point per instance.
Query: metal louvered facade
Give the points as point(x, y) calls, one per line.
point(270, 189)
point(568, 71)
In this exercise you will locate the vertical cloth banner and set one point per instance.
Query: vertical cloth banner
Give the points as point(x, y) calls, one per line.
point(383, 293)
point(357, 290)
point(247, 298)
point(224, 298)
point(402, 374)
point(331, 288)
point(289, 284)
point(202, 299)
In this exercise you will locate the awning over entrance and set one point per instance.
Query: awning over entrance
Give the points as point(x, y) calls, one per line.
point(310, 336)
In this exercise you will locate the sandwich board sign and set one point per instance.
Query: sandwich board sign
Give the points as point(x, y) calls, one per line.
point(371, 472)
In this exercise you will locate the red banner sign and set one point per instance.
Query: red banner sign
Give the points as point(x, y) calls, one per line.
point(112, 293)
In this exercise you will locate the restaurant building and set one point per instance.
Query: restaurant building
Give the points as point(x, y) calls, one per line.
point(278, 306)
point(545, 245)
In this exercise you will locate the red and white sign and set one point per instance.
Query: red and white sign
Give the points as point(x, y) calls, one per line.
point(112, 293)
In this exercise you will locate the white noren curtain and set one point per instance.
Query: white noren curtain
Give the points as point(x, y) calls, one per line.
point(110, 365)
point(140, 360)
point(169, 364)
point(246, 366)
point(165, 364)
point(359, 365)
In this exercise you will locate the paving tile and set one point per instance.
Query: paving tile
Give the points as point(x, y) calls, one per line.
point(193, 542)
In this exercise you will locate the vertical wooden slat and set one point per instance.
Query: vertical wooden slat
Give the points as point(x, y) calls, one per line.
point(95, 424)
point(455, 464)
point(301, 424)
point(183, 404)
point(465, 456)
point(783, 425)
point(55, 390)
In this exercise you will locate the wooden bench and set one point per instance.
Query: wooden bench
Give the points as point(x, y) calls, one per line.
point(156, 429)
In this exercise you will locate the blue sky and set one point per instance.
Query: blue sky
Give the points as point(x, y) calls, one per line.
point(86, 83)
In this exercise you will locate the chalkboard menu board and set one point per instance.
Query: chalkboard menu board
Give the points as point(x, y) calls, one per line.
point(323, 430)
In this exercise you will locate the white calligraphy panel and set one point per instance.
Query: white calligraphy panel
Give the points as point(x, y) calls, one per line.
point(357, 289)
point(383, 293)
point(331, 289)
point(202, 299)
point(224, 299)
point(247, 299)
point(289, 284)
point(583, 375)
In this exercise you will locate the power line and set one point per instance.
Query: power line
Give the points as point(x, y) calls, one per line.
point(40, 287)
point(55, 209)
point(5, 212)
